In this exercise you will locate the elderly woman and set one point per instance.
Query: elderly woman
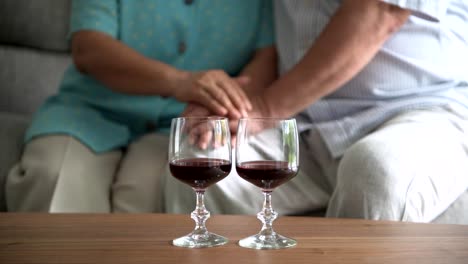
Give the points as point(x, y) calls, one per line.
point(100, 143)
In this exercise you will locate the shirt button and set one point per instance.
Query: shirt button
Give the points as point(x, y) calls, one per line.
point(150, 126)
point(182, 47)
point(188, 2)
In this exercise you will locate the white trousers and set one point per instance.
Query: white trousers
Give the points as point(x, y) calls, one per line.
point(411, 168)
point(59, 174)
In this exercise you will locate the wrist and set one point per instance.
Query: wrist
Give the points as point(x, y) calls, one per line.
point(291, 94)
point(261, 106)
point(274, 105)
point(177, 82)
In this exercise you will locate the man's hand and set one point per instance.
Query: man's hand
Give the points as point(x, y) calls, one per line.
point(216, 91)
point(259, 109)
point(200, 135)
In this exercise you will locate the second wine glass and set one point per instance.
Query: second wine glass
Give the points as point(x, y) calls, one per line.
point(267, 155)
point(200, 155)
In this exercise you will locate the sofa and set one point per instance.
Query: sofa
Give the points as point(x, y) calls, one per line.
point(34, 53)
point(33, 56)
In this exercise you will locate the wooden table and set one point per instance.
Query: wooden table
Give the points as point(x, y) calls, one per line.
point(146, 238)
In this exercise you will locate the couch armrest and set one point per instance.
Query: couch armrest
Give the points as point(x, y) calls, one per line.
point(12, 129)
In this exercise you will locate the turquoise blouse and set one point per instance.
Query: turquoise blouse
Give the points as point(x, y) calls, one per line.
point(187, 34)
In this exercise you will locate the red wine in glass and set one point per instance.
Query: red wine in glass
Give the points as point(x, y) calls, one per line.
point(200, 156)
point(266, 174)
point(267, 156)
point(200, 173)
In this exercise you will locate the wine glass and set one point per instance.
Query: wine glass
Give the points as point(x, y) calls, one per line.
point(200, 155)
point(267, 156)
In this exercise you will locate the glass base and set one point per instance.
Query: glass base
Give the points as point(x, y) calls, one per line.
point(200, 241)
point(267, 242)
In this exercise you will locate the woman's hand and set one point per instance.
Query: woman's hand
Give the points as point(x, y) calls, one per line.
point(259, 109)
point(216, 91)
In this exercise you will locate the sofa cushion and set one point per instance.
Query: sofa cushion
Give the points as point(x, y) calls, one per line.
point(38, 24)
point(12, 128)
point(28, 76)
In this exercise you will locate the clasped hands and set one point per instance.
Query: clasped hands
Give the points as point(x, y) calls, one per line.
point(215, 93)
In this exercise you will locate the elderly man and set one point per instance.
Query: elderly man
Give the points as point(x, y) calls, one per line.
point(381, 98)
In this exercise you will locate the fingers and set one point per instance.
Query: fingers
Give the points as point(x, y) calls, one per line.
point(233, 129)
point(237, 96)
point(195, 132)
point(195, 110)
point(233, 141)
point(223, 94)
point(206, 99)
point(242, 80)
point(203, 137)
point(233, 126)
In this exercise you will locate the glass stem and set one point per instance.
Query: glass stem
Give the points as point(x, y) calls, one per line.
point(267, 216)
point(200, 214)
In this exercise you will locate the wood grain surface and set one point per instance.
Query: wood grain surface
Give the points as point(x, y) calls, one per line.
point(146, 238)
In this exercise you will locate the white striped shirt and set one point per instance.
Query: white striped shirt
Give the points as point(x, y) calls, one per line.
point(424, 64)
